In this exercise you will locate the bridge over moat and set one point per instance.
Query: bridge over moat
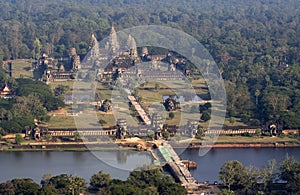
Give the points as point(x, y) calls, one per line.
point(164, 154)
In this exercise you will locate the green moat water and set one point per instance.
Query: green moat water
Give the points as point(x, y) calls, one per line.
point(34, 164)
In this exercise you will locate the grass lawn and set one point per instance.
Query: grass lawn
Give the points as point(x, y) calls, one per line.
point(108, 118)
point(65, 83)
point(75, 85)
point(104, 93)
point(199, 83)
point(182, 118)
point(80, 86)
point(121, 110)
point(62, 122)
point(236, 122)
point(175, 84)
point(83, 120)
point(149, 97)
point(22, 69)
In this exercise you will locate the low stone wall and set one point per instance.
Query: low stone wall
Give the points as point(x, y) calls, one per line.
point(290, 131)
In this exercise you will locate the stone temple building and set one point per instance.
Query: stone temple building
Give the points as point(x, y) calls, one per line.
point(114, 60)
point(117, 62)
point(54, 70)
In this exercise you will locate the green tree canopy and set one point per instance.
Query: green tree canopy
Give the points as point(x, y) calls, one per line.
point(231, 173)
point(205, 116)
point(100, 180)
point(290, 172)
point(67, 184)
point(19, 186)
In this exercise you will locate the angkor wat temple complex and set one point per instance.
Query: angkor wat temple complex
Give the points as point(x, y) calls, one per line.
point(113, 60)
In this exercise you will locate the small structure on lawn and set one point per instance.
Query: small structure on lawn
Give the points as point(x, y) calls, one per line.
point(6, 92)
point(106, 105)
point(171, 104)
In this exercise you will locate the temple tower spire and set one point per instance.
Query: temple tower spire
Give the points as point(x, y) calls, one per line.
point(131, 45)
point(95, 47)
point(113, 41)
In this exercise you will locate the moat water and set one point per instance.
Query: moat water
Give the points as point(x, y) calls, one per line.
point(118, 163)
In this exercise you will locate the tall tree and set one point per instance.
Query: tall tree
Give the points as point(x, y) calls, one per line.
point(250, 179)
point(268, 174)
point(36, 52)
point(290, 172)
point(100, 180)
point(231, 173)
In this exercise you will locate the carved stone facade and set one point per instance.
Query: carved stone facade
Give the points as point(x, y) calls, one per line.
point(157, 122)
point(113, 44)
point(59, 70)
point(171, 104)
point(192, 128)
point(75, 60)
point(113, 61)
point(121, 128)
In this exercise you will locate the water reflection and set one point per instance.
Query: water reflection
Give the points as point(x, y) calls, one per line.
point(122, 157)
point(79, 156)
point(19, 156)
point(46, 154)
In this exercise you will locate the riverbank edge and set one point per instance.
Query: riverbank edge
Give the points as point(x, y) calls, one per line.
point(186, 145)
point(66, 149)
point(65, 146)
point(242, 145)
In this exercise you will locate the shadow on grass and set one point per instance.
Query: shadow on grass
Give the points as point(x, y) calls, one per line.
point(27, 68)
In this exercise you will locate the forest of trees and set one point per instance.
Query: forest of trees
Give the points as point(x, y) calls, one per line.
point(255, 44)
point(149, 181)
point(32, 100)
point(270, 179)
